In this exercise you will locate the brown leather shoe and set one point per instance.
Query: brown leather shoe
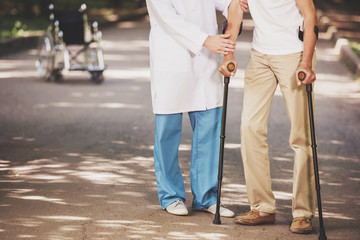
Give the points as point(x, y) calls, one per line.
point(253, 218)
point(301, 225)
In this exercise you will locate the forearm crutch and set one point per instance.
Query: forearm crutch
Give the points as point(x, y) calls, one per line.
point(301, 76)
point(230, 67)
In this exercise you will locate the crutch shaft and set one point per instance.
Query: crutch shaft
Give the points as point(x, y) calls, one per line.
point(230, 67)
point(322, 235)
point(301, 76)
point(221, 155)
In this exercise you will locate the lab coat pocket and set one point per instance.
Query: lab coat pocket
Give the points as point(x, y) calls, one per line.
point(168, 54)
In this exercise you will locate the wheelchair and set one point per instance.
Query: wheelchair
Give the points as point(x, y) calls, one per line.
point(70, 44)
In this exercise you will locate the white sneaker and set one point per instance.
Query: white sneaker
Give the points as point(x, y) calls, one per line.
point(224, 212)
point(177, 208)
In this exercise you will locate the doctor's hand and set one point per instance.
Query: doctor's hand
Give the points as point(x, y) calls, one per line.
point(223, 67)
point(220, 44)
point(244, 5)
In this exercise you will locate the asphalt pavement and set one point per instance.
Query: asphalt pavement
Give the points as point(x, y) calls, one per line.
point(76, 158)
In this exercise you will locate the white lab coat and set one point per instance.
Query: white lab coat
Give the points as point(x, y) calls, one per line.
point(184, 73)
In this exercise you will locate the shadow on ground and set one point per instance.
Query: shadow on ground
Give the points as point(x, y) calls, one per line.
point(76, 158)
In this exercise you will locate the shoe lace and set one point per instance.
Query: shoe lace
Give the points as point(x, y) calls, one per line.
point(252, 212)
point(302, 220)
point(177, 202)
point(222, 207)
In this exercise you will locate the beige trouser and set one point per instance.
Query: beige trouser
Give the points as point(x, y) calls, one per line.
point(263, 73)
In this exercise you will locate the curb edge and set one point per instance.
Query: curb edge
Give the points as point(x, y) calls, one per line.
point(341, 45)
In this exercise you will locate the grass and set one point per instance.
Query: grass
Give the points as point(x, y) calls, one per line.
point(357, 80)
point(13, 26)
point(355, 46)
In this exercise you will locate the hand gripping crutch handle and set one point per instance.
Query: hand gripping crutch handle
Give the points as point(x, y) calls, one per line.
point(231, 68)
point(302, 76)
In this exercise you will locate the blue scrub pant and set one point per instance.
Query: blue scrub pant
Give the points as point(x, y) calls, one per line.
point(206, 127)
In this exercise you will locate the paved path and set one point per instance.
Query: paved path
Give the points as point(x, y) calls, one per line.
point(76, 158)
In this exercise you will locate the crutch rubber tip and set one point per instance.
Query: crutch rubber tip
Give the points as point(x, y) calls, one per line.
point(322, 235)
point(301, 76)
point(217, 219)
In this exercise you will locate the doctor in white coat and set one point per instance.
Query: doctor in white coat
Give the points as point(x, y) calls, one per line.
point(184, 61)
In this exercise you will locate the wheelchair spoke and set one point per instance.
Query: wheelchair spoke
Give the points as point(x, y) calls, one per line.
point(59, 48)
point(45, 57)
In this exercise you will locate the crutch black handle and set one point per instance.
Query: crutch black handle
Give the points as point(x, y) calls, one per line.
point(231, 68)
point(302, 76)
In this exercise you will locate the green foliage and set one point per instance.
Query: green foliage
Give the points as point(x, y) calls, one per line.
point(355, 47)
point(39, 7)
point(13, 26)
point(19, 29)
point(75, 4)
point(21, 17)
point(358, 80)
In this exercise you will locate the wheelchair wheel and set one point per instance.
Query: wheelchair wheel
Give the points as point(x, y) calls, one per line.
point(97, 77)
point(45, 57)
point(58, 77)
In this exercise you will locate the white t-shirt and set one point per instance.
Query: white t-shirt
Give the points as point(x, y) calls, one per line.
point(276, 26)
